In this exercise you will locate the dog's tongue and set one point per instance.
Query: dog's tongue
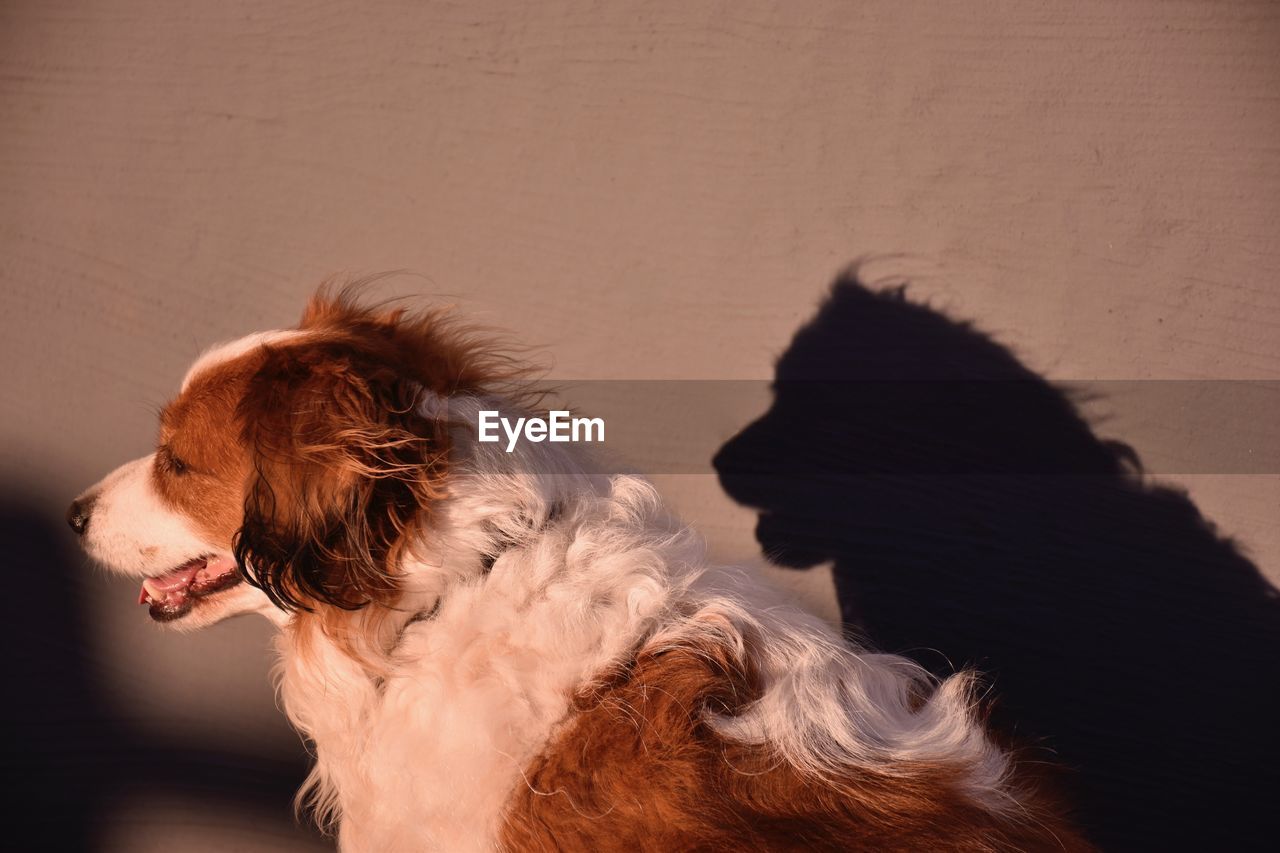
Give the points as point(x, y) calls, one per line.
point(171, 594)
point(176, 581)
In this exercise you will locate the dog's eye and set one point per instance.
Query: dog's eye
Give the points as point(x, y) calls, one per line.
point(171, 462)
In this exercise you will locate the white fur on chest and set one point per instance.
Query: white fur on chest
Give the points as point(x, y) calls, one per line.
point(428, 758)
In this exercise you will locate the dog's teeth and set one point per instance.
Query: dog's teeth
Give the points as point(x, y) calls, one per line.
point(152, 593)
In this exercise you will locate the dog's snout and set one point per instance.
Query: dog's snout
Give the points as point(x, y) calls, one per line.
point(78, 514)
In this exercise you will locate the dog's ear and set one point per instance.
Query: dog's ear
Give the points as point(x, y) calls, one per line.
point(345, 467)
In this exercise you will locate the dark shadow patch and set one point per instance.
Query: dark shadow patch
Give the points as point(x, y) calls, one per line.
point(975, 519)
point(69, 761)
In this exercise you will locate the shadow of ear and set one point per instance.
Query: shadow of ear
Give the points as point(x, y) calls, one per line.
point(974, 519)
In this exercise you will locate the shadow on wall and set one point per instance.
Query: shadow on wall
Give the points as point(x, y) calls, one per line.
point(975, 520)
point(69, 762)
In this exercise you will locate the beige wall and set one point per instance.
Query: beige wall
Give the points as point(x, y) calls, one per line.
point(648, 190)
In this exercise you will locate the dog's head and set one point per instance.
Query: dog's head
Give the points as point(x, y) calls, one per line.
point(300, 461)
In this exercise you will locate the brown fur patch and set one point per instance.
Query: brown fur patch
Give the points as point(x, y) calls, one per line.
point(636, 767)
point(202, 464)
point(431, 346)
point(309, 456)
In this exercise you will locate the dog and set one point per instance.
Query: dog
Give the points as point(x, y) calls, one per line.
point(503, 650)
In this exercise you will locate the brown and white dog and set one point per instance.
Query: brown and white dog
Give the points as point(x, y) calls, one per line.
point(497, 650)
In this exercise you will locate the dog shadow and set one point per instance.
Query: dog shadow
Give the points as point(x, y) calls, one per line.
point(70, 760)
point(974, 519)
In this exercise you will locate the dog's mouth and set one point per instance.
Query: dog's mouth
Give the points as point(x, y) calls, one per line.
point(173, 594)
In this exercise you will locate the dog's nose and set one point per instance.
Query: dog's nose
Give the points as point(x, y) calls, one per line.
point(78, 514)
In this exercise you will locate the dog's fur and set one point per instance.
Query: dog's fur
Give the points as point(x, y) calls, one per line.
point(494, 650)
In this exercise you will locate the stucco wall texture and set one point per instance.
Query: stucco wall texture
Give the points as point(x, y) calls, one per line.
point(649, 190)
